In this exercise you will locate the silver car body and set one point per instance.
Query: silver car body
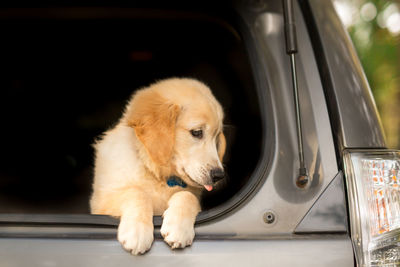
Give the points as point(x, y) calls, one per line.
point(310, 225)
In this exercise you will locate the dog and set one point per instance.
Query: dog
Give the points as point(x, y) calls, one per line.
point(166, 149)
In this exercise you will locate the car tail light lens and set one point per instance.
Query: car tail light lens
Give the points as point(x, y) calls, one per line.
point(373, 183)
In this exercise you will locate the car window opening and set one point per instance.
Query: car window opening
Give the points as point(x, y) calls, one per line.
point(67, 81)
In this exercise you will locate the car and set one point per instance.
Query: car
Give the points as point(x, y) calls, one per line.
point(69, 67)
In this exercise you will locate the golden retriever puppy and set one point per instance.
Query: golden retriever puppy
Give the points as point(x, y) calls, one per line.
point(165, 150)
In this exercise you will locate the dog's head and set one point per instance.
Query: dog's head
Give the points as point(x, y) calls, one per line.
point(179, 123)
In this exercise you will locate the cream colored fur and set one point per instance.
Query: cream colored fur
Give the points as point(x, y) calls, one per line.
point(151, 142)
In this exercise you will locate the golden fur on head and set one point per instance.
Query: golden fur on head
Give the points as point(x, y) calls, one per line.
point(153, 120)
point(173, 127)
point(162, 116)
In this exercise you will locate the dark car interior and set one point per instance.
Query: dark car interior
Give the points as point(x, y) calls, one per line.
point(66, 74)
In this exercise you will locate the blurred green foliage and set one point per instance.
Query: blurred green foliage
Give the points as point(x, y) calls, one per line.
point(374, 27)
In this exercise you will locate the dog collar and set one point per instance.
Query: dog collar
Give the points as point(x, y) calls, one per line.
point(176, 181)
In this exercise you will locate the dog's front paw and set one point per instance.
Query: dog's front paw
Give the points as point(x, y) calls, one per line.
point(177, 233)
point(135, 237)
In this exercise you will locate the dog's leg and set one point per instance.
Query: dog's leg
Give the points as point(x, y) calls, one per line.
point(178, 223)
point(135, 231)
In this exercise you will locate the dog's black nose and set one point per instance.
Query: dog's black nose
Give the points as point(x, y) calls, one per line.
point(217, 174)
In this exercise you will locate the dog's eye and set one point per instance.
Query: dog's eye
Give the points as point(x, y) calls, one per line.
point(197, 133)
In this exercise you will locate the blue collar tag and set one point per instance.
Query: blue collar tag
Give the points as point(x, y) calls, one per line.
point(176, 181)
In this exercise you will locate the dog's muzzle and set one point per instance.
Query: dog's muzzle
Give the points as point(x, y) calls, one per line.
point(217, 174)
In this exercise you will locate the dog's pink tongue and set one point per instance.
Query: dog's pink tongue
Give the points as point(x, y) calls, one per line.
point(208, 187)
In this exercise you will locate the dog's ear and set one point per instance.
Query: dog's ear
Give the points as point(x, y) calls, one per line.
point(221, 146)
point(154, 120)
